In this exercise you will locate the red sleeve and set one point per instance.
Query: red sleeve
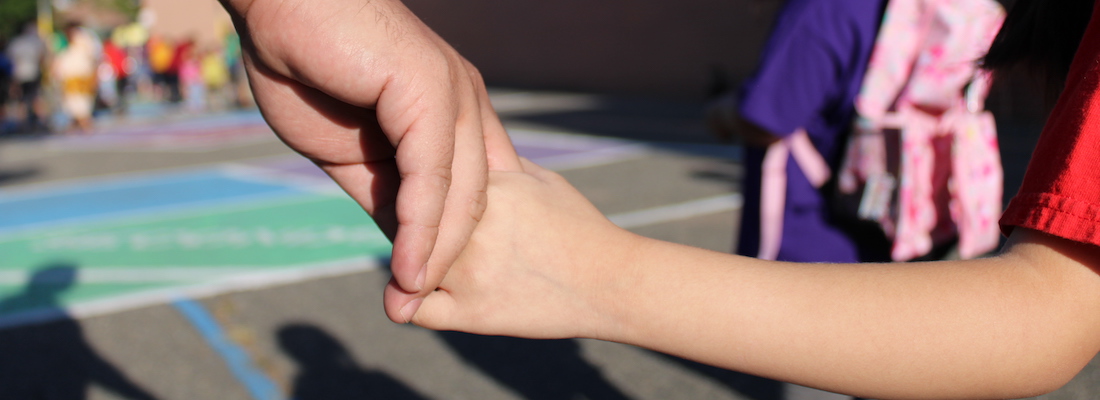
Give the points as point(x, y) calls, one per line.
point(1060, 194)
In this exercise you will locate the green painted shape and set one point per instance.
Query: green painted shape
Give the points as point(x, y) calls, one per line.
point(20, 298)
point(311, 229)
point(263, 236)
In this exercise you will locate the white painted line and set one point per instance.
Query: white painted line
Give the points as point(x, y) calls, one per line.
point(269, 176)
point(593, 158)
point(583, 151)
point(166, 144)
point(677, 212)
point(129, 179)
point(507, 102)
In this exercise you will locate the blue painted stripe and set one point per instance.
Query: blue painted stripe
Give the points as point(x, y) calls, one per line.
point(119, 181)
point(258, 384)
point(111, 199)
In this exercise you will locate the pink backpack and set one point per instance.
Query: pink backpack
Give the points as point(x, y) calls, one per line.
point(922, 161)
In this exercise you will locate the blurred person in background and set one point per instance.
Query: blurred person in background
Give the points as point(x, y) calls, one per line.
point(27, 52)
point(106, 91)
point(160, 52)
point(237, 76)
point(5, 85)
point(119, 64)
point(215, 75)
point(192, 87)
point(810, 72)
point(132, 39)
point(75, 69)
point(221, 68)
point(180, 55)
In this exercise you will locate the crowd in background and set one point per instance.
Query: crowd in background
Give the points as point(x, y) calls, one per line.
point(62, 81)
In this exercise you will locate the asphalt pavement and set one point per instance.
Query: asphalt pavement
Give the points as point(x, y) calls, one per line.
point(193, 256)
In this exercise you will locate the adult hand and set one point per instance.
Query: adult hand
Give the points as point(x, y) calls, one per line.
point(390, 111)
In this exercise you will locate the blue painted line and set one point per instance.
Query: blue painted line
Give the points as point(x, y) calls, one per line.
point(111, 199)
point(120, 181)
point(258, 384)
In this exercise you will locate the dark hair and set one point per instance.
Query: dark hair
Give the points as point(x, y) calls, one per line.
point(1041, 36)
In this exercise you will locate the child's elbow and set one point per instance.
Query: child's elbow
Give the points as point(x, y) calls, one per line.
point(1059, 372)
point(1049, 369)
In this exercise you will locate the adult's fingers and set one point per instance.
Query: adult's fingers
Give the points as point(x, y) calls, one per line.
point(374, 183)
point(465, 203)
point(500, 152)
point(530, 168)
point(344, 140)
point(348, 142)
point(419, 119)
point(438, 310)
point(436, 307)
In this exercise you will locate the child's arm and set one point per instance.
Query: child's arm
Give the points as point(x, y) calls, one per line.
point(544, 263)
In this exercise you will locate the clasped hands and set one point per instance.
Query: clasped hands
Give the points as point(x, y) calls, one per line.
point(403, 124)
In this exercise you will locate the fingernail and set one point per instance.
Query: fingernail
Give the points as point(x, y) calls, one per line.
point(422, 277)
point(409, 310)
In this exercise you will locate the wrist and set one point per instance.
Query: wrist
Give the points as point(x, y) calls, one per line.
point(616, 291)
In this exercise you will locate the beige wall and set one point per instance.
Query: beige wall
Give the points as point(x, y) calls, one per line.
point(659, 48)
point(644, 47)
point(655, 48)
point(202, 20)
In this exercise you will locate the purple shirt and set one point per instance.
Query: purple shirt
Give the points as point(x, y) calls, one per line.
point(810, 72)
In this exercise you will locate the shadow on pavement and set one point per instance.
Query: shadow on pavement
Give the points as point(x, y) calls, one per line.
point(630, 118)
point(728, 173)
point(13, 175)
point(667, 125)
point(535, 369)
point(754, 387)
point(327, 371)
point(53, 360)
point(749, 386)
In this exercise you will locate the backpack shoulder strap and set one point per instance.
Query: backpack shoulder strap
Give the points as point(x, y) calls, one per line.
point(896, 47)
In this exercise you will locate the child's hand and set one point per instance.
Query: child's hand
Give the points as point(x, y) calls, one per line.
point(537, 266)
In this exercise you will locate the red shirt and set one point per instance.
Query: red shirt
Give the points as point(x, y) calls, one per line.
point(1060, 194)
point(116, 57)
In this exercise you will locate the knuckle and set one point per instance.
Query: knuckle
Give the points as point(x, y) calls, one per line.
point(478, 204)
point(474, 73)
point(435, 175)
